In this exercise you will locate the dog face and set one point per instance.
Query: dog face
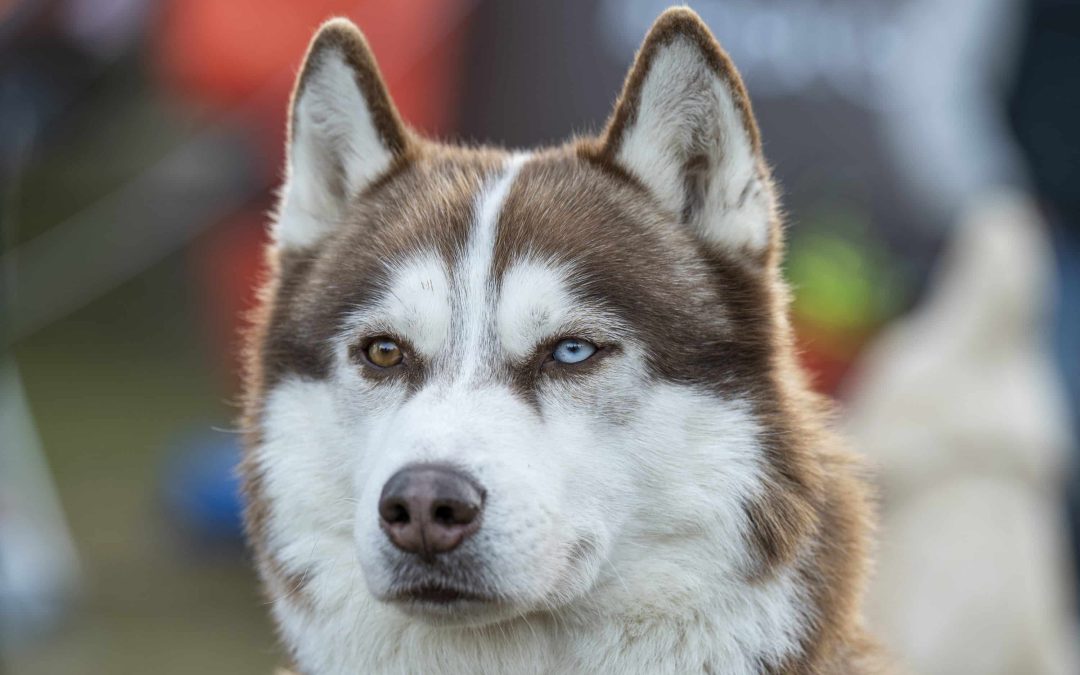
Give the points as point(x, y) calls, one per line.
point(488, 384)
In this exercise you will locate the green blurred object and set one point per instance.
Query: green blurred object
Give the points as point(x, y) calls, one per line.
point(844, 278)
point(846, 286)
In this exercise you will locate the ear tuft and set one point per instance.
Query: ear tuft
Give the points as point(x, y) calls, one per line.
point(344, 132)
point(684, 127)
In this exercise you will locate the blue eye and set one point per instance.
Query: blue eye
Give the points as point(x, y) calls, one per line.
point(573, 350)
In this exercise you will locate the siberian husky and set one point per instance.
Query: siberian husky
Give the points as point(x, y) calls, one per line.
point(538, 412)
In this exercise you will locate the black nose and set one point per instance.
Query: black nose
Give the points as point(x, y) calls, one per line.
point(428, 509)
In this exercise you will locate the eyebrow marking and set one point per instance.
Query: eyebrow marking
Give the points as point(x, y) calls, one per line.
point(416, 304)
point(534, 303)
point(476, 290)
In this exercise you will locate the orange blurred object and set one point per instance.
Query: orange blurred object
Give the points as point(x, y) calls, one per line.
point(234, 52)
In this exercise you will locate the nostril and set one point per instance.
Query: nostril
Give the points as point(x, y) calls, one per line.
point(394, 512)
point(451, 512)
point(444, 515)
point(399, 514)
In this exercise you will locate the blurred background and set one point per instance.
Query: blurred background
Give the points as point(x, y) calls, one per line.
point(929, 157)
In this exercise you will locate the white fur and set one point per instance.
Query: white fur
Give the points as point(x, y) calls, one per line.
point(333, 131)
point(536, 305)
point(476, 287)
point(533, 304)
point(665, 593)
point(614, 525)
point(416, 305)
point(686, 110)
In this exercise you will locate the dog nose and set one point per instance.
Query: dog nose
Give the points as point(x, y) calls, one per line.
point(428, 509)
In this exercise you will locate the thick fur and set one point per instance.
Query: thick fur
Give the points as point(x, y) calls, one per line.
point(677, 503)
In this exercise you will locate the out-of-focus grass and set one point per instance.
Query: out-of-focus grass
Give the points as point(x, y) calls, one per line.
point(109, 387)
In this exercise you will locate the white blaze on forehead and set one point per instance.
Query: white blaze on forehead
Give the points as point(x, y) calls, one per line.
point(533, 304)
point(475, 275)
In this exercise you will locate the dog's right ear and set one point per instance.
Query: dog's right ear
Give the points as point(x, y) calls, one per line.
point(683, 127)
point(344, 132)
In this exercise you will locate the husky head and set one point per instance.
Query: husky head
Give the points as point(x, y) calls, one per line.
point(490, 385)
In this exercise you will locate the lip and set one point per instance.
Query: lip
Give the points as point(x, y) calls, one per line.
point(438, 595)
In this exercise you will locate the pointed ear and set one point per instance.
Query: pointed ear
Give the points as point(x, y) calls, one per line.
point(684, 128)
point(343, 134)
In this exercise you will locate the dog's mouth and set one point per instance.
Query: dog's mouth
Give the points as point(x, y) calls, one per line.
point(438, 595)
point(440, 603)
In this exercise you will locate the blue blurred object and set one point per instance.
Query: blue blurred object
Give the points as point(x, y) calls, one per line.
point(201, 489)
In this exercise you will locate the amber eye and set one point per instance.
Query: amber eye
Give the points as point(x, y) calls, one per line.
point(384, 353)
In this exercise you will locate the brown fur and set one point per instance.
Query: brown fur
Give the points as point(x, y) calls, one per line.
point(713, 318)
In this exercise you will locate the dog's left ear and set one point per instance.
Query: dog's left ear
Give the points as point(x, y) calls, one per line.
point(684, 128)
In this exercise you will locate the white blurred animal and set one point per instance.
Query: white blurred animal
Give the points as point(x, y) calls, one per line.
point(959, 407)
